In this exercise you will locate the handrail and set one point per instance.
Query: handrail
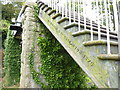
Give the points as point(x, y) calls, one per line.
point(23, 9)
point(102, 13)
point(21, 12)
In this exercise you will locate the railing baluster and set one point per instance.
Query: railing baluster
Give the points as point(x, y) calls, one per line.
point(74, 9)
point(98, 20)
point(95, 11)
point(59, 6)
point(110, 18)
point(59, 9)
point(53, 4)
point(101, 14)
point(108, 36)
point(84, 13)
point(69, 11)
point(62, 10)
point(66, 13)
point(78, 15)
point(115, 15)
point(48, 3)
point(56, 6)
point(91, 22)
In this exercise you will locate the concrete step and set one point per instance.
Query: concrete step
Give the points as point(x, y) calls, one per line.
point(74, 24)
point(44, 6)
point(109, 57)
point(103, 44)
point(57, 15)
point(95, 35)
point(48, 9)
point(63, 21)
point(40, 4)
point(52, 13)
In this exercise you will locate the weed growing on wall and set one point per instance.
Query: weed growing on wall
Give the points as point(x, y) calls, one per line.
point(34, 73)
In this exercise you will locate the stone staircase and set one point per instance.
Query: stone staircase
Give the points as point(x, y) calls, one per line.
point(91, 56)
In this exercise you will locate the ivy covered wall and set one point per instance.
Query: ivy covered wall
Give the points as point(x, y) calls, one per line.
point(59, 69)
point(57, 66)
point(12, 60)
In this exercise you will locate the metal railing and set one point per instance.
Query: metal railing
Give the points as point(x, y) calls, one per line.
point(100, 15)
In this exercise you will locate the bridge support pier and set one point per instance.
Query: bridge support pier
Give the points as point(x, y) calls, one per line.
point(29, 37)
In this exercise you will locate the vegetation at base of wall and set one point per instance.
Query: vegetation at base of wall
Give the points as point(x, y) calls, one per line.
point(58, 68)
point(12, 61)
point(34, 73)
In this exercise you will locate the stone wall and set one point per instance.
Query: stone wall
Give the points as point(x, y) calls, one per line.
point(29, 36)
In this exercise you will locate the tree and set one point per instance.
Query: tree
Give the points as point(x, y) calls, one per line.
point(11, 10)
point(4, 29)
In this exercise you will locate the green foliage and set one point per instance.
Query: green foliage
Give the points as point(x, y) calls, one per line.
point(59, 69)
point(12, 62)
point(36, 11)
point(11, 10)
point(4, 28)
point(4, 25)
point(35, 74)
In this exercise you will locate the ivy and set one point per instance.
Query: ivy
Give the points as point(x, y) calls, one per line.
point(4, 29)
point(34, 73)
point(58, 68)
point(12, 61)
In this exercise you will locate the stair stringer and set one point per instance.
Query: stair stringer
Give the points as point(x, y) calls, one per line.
point(103, 73)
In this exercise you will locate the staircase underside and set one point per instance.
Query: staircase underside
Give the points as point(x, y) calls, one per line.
point(104, 73)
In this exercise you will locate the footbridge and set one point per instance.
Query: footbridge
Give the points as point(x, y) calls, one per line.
point(89, 30)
